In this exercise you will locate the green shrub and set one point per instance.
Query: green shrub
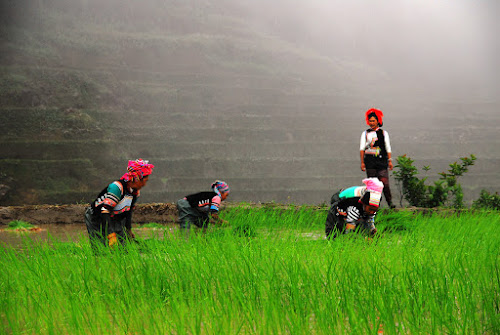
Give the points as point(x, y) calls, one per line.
point(417, 193)
point(487, 201)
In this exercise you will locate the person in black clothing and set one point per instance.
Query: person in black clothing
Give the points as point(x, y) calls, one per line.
point(202, 208)
point(109, 217)
point(375, 151)
point(353, 206)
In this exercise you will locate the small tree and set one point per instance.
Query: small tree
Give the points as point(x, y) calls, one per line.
point(412, 188)
point(418, 194)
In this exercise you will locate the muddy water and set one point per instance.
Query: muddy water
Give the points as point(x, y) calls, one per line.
point(78, 232)
point(67, 233)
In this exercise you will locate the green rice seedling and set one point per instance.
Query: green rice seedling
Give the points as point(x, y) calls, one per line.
point(440, 275)
point(151, 225)
point(389, 221)
point(20, 225)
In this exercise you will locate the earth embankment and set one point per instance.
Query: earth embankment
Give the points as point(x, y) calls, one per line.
point(149, 212)
point(68, 214)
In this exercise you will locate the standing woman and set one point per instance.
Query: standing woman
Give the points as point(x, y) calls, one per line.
point(375, 151)
point(203, 207)
point(109, 218)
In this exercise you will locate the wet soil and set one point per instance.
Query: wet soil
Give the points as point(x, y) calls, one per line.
point(73, 214)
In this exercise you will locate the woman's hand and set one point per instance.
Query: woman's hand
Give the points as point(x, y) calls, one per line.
point(215, 219)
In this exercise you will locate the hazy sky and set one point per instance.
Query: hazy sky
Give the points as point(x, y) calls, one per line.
point(444, 42)
point(441, 44)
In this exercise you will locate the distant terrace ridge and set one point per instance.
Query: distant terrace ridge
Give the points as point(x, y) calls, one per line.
point(277, 122)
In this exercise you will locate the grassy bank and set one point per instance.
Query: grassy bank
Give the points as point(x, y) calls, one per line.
point(269, 272)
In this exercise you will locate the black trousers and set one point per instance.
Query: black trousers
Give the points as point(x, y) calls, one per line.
point(189, 215)
point(335, 224)
point(99, 230)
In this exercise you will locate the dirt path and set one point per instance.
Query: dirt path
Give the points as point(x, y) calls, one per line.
point(66, 214)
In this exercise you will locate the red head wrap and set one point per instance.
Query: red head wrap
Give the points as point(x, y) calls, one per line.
point(137, 170)
point(377, 112)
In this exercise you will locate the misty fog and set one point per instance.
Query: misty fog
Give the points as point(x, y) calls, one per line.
point(276, 89)
point(450, 45)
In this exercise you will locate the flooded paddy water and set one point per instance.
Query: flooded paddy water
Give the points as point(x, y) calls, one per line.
point(64, 223)
point(70, 233)
point(63, 233)
point(76, 233)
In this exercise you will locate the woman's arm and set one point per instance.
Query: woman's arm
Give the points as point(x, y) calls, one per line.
point(215, 219)
point(128, 224)
point(388, 149)
point(362, 157)
point(362, 146)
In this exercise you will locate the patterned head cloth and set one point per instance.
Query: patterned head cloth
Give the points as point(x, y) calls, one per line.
point(374, 187)
point(378, 114)
point(137, 170)
point(220, 187)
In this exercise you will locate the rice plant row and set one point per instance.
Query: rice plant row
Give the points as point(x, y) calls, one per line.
point(270, 271)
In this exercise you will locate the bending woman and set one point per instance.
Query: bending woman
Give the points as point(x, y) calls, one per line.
point(353, 206)
point(109, 218)
point(202, 208)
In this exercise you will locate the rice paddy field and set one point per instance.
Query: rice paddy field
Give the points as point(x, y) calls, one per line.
point(270, 271)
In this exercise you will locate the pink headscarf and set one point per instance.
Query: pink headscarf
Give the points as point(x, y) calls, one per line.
point(137, 170)
point(220, 186)
point(375, 187)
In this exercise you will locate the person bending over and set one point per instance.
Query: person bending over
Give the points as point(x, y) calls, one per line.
point(353, 206)
point(202, 208)
point(109, 217)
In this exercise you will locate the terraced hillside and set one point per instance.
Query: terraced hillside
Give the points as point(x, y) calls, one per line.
point(203, 94)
